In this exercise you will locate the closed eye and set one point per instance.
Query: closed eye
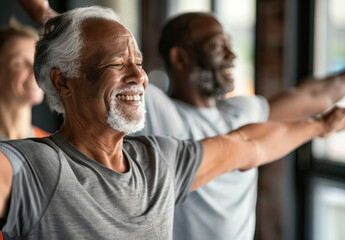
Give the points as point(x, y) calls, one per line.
point(116, 66)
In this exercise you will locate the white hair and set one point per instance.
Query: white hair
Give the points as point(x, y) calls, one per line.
point(60, 47)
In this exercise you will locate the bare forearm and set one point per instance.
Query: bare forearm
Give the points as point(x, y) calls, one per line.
point(332, 87)
point(309, 98)
point(294, 105)
point(253, 145)
point(275, 139)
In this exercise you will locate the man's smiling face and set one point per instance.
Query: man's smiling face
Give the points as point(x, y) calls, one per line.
point(113, 82)
point(213, 58)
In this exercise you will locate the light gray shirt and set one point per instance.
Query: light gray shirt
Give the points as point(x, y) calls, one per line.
point(59, 193)
point(224, 209)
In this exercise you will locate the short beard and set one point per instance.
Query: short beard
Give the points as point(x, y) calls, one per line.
point(125, 120)
point(206, 83)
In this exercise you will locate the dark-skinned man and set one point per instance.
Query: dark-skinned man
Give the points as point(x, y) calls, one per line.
point(176, 118)
point(199, 61)
point(89, 181)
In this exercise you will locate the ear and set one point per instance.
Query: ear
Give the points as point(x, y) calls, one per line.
point(59, 81)
point(179, 58)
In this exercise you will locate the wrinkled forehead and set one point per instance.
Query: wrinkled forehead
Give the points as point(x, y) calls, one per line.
point(108, 37)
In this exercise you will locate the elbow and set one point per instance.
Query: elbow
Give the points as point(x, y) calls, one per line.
point(251, 157)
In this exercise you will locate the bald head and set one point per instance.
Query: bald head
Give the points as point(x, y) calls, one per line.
point(183, 31)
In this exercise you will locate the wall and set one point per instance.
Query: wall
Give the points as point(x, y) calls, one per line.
point(275, 43)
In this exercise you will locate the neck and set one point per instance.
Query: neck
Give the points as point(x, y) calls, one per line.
point(102, 145)
point(188, 94)
point(15, 120)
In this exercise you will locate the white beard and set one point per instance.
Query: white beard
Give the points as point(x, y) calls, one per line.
point(124, 119)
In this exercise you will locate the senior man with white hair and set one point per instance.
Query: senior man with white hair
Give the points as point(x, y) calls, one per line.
point(89, 181)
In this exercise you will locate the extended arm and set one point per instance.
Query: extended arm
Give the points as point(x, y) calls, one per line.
point(257, 144)
point(307, 99)
point(5, 184)
point(38, 10)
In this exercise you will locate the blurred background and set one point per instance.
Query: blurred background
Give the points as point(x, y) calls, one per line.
point(277, 43)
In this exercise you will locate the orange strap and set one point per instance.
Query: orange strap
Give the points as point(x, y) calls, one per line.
point(39, 133)
point(1, 236)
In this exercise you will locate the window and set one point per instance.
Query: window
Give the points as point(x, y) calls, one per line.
point(238, 19)
point(326, 176)
point(328, 211)
point(329, 58)
point(179, 6)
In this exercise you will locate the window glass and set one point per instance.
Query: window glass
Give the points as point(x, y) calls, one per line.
point(328, 207)
point(179, 6)
point(329, 57)
point(238, 18)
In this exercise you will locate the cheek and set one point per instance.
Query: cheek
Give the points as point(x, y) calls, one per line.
point(146, 79)
point(215, 59)
point(93, 74)
point(17, 79)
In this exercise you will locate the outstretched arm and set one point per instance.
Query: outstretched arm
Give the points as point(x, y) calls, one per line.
point(308, 98)
point(254, 145)
point(38, 10)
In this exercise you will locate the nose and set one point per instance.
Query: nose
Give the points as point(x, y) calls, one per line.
point(136, 75)
point(229, 53)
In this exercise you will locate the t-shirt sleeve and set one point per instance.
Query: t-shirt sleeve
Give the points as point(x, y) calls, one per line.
point(33, 183)
point(162, 117)
point(189, 156)
point(184, 159)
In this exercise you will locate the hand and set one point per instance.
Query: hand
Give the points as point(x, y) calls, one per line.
point(333, 121)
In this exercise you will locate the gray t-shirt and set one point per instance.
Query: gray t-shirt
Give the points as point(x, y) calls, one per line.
point(59, 193)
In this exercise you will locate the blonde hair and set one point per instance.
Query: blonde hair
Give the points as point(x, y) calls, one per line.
point(16, 29)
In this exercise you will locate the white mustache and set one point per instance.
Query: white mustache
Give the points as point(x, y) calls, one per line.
point(134, 88)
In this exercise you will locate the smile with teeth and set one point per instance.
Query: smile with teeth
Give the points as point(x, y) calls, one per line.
point(137, 97)
point(227, 71)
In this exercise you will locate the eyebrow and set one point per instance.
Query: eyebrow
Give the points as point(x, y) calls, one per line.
point(120, 54)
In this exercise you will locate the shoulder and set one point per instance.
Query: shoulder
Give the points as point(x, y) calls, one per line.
point(32, 145)
point(36, 170)
point(255, 107)
point(244, 101)
point(162, 117)
point(38, 154)
point(152, 92)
